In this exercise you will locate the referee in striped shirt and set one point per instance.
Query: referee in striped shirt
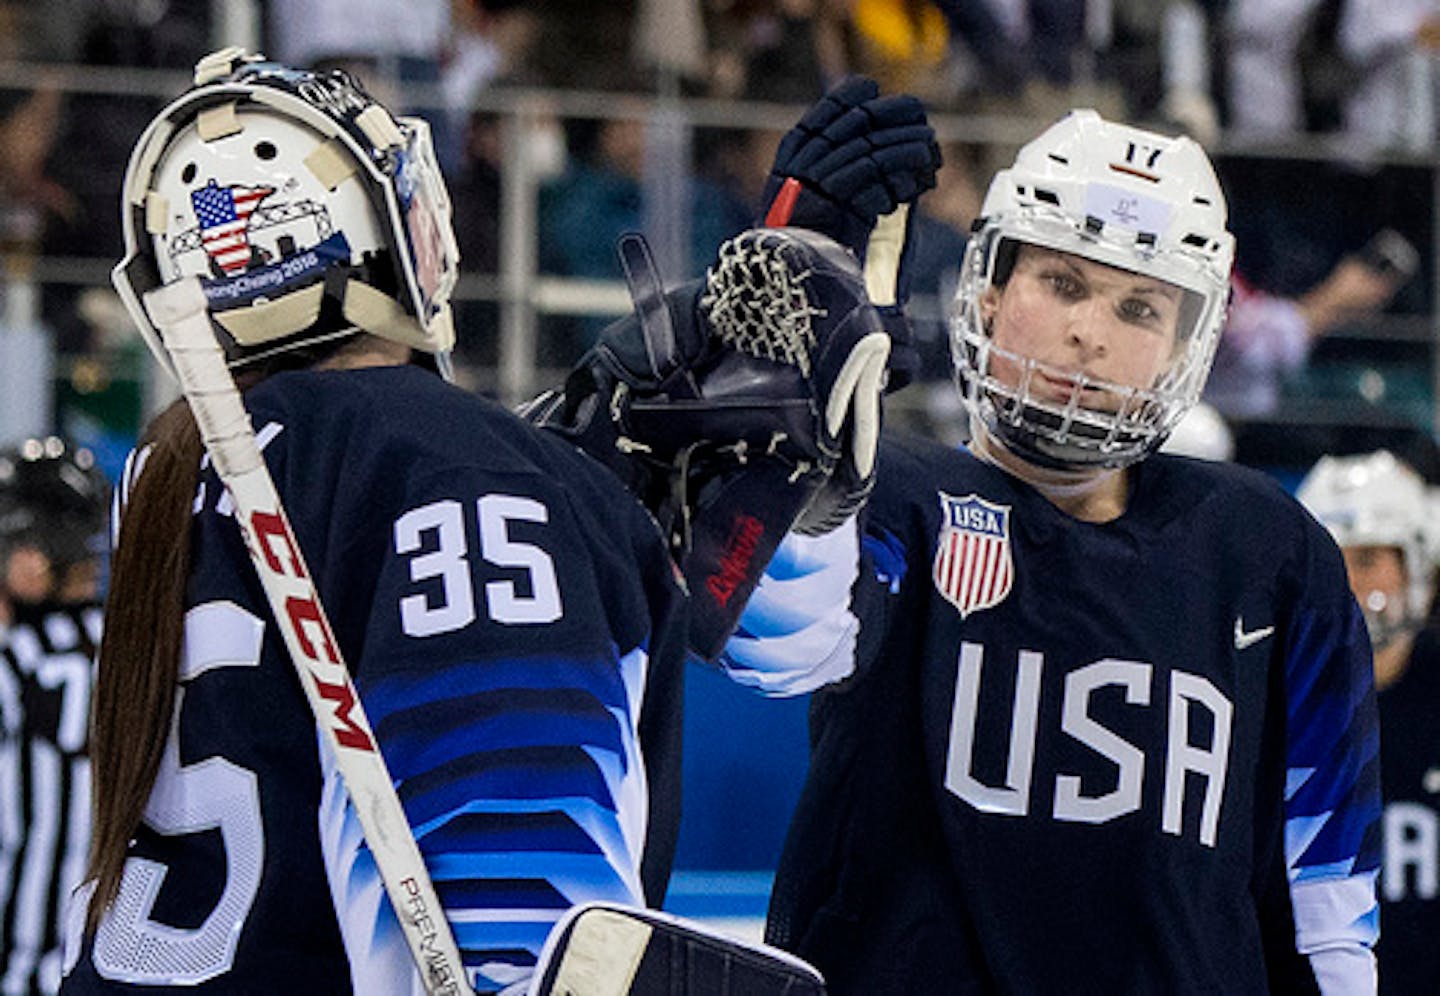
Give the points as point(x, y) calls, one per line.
point(53, 510)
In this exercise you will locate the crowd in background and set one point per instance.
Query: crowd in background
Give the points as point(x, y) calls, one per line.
point(1254, 80)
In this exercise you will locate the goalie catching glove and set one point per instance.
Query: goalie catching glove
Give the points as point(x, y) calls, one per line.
point(736, 409)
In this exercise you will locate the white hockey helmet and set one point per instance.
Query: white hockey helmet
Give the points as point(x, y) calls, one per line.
point(308, 211)
point(1117, 195)
point(1376, 499)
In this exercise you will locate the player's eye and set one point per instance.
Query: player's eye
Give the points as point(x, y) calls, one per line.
point(266, 150)
point(1135, 309)
point(187, 175)
point(1064, 284)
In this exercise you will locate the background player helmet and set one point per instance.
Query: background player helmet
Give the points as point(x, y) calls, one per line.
point(1202, 433)
point(1124, 197)
point(52, 498)
point(307, 209)
point(1375, 499)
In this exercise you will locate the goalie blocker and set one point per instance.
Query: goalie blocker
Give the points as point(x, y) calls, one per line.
point(736, 408)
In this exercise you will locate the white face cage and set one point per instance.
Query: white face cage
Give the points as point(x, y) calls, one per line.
point(1126, 198)
point(306, 209)
point(1375, 499)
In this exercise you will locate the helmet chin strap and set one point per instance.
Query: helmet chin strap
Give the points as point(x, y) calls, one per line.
point(1061, 485)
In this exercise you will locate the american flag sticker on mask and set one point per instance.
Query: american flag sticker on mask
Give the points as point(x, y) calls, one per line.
point(973, 567)
point(224, 216)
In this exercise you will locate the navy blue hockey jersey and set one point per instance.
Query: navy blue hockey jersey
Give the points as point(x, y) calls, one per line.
point(508, 612)
point(1063, 757)
point(1409, 949)
point(46, 673)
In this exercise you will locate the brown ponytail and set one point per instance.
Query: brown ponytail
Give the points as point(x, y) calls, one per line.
point(140, 651)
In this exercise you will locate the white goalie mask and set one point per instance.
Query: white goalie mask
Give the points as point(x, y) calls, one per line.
point(306, 209)
point(1375, 499)
point(1126, 198)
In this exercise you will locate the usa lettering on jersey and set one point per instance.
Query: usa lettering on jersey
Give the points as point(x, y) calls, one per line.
point(1185, 764)
point(1411, 867)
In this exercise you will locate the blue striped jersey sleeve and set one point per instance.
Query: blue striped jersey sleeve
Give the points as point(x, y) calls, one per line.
point(798, 631)
point(523, 784)
point(1332, 795)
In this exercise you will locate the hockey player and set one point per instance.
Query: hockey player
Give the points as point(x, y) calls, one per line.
point(1380, 512)
point(53, 504)
point(1094, 720)
point(510, 613)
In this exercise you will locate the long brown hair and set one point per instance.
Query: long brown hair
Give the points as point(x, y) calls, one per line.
point(140, 650)
point(145, 612)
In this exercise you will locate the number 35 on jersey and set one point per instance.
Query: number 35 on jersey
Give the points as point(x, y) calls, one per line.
point(434, 539)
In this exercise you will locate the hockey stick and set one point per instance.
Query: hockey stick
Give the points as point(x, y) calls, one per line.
point(181, 313)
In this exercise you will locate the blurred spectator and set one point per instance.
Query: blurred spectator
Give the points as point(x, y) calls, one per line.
point(601, 196)
point(1160, 54)
point(475, 190)
point(493, 43)
point(475, 195)
point(1269, 337)
point(1364, 66)
point(783, 51)
point(30, 197)
point(598, 198)
point(367, 32)
point(1385, 520)
point(1056, 32)
point(391, 51)
point(1264, 88)
point(586, 45)
point(1391, 47)
point(992, 33)
point(1037, 51)
point(903, 43)
point(737, 161)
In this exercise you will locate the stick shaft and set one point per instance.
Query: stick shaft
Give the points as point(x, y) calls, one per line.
point(181, 314)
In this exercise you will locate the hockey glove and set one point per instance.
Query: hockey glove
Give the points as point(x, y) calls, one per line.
point(853, 162)
point(728, 406)
point(853, 157)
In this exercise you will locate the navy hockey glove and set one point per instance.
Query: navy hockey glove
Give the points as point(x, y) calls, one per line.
point(853, 157)
point(727, 406)
point(853, 162)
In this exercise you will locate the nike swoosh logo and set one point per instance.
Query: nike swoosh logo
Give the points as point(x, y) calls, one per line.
point(1244, 639)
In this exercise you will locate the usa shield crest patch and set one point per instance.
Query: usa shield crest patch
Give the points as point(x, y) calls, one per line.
point(973, 566)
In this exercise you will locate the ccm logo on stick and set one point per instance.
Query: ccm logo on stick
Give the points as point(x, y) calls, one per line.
point(313, 636)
